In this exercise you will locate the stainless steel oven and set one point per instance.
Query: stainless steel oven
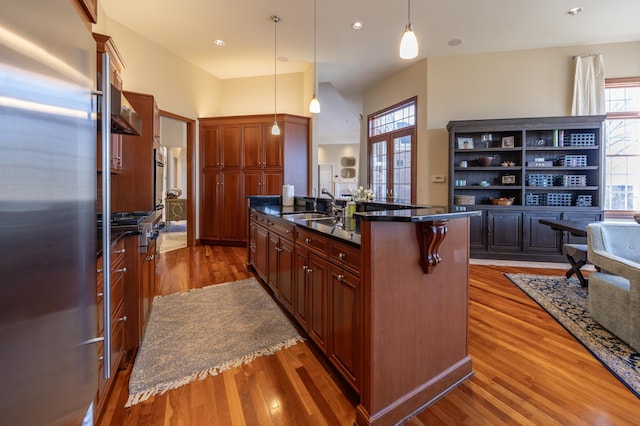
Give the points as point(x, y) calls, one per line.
point(158, 177)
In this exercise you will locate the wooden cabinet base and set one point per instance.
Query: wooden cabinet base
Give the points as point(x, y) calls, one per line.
point(418, 399)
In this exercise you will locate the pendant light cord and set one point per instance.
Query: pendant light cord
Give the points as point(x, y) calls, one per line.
point(315, 36)
point(275, 18)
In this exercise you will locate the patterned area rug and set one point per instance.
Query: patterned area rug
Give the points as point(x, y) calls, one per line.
point(203, 332)
point(568, 303)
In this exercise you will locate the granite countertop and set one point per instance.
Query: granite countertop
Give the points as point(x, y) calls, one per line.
point(348, 229)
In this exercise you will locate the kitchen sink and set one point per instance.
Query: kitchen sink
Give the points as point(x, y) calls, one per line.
point(306, 216)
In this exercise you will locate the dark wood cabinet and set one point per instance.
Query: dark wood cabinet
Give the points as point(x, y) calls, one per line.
point(227, 216)
point(266, 162)
point(116, 66)
point(345, 344)
point(317, 284)
point(133, 187)
point(518, 171)
point(505, 231)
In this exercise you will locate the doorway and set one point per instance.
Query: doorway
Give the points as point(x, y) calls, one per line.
point(177, 135)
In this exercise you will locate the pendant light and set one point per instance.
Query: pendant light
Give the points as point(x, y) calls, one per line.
point(275, 130)
point(409, 42)
point(314, 105)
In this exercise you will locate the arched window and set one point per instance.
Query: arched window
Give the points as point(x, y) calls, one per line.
point(392, 153)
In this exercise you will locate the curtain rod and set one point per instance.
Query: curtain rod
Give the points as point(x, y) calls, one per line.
point(586, 56)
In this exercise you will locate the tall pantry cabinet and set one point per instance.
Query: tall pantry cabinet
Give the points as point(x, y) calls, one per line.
point(240, 157)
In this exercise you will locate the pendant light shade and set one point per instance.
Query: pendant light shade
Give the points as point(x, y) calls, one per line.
point(275, 130)
point(314, 105)
point(409, 42)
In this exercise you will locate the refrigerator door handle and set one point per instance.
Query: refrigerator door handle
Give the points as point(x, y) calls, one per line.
point(94, 340)
point(106, 210)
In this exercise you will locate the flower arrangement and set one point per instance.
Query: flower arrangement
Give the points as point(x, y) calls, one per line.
point(362, 194)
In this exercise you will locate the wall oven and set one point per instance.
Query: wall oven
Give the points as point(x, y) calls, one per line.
point(159, 160)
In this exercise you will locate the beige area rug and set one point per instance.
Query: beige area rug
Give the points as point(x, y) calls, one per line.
point(203, 332)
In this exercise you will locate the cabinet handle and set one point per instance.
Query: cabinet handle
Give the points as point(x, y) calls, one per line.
point(308, 240)
point(100, 270)
point(288, 232)
point(123, 270)
point(340, 277)
point(123, 319)
point(304, 267)
point(100, 294)
point(278, 249)
point(150, 257)
point(309, 270)
point(221, 164)
point(342, 256)
point(100, 359)
point(121, 251)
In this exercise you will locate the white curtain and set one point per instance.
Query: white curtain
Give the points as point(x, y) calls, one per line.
point(588, 86)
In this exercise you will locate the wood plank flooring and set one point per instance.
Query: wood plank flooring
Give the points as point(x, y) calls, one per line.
point(528, 369)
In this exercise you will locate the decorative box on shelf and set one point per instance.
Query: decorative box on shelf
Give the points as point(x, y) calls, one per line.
point(540, 162)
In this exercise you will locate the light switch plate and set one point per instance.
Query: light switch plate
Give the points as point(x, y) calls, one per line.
point(439, 178)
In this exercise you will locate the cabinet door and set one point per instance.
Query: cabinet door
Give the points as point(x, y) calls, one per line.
point(211, 146)
point(344, 321)
point(478, 231)
point(262, 249)
point(232, 206)
point(253, 184)
point(541, 238)
point(286, 273)
point(317, 273)
point(272, 261)
point(567, 238)
point(272, 182)
point(273, 148)
point(252, 146)
point(210, 211)
point(301, 293)
point(505, 231)
point(232, 146)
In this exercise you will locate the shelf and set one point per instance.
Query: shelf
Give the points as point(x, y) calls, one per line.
point(562, 148)
point(493, 149)
point(561, 188)
point(506, 187)
point(560, 168)
point(490, 168)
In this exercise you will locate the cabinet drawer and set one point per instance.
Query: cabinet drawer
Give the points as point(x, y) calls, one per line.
point(312, 241)
point(346, 256)
point(284, 229)
point(260, 219)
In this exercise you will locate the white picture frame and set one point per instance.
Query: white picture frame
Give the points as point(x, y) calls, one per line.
point(508, 142)
point(465, 143)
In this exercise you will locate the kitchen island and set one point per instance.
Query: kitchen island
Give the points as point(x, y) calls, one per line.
point(383, 295)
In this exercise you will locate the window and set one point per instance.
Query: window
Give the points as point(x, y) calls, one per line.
point(392, 164)
point(622, 144)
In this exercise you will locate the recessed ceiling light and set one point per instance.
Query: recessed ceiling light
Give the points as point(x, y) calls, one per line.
point(357, 25)
point(455, 42)
point(219, 42)
point(574, 11)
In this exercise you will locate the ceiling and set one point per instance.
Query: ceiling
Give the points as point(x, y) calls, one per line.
point(352, 60)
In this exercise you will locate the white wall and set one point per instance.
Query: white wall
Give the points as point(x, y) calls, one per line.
point(528, 83)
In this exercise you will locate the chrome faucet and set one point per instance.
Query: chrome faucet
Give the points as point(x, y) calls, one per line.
point(334, 208)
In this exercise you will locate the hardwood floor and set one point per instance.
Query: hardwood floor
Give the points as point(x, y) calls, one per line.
point(528, 369)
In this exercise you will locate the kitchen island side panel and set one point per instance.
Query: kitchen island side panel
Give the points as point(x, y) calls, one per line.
point(416, 324)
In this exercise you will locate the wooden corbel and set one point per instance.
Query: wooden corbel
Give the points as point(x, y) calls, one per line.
point(430, 235)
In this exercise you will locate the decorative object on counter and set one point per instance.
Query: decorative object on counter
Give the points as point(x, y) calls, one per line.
point(174, 193)
point(362, 194)
point(508, 164)
point(464, 163)
point(486, 161)
point(502, 201)
point(211, 330)
point(287, 195)
point(465, 143)
point(568, 303)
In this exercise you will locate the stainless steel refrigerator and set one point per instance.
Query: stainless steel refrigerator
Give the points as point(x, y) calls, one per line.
point(48, 314)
